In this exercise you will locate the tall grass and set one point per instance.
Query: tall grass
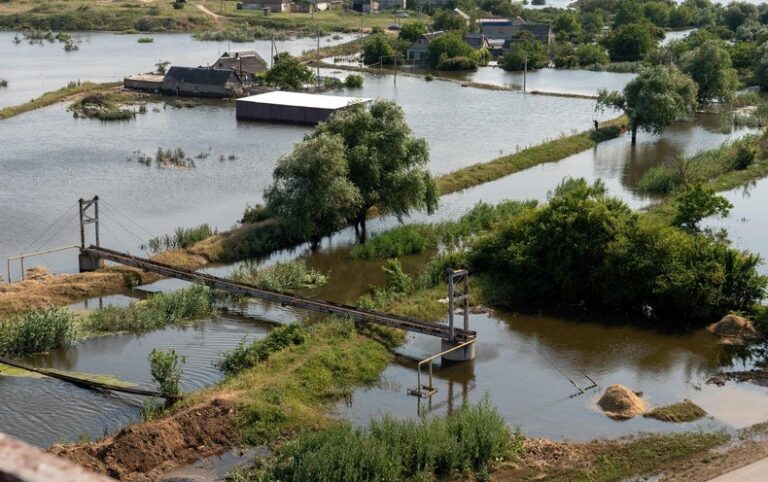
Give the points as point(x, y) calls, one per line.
point(37, 331)
point(180, 239)
point(660, 180)
point(245, 355)
point(157, 311)
point(468, 441)
point(291, 275)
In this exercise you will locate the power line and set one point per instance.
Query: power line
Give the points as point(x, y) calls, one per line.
point(39, 236)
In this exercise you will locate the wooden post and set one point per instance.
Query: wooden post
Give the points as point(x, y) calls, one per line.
point(451, 306)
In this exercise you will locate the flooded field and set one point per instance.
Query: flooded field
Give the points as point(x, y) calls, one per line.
point(524, 362)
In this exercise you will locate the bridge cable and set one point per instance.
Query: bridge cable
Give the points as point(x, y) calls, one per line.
point(110, 206)
point(138, 238)
point(45, 231)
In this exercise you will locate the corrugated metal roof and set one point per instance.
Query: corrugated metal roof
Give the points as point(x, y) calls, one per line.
point(300, 99)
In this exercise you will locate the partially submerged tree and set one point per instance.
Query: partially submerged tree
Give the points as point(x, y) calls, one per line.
point(697, 203)
point(630, 42)
point(311, 189)
point(711, 68)
point(288, 73)
point(386, 163)
point(653, 100)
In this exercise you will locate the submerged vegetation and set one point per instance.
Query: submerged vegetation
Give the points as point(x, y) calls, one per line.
point(468, 441)
point(104, 106)
point(166, 370)
point(181, 238)
point(37, 331)
point(157, 311)
point(290, 275)
point(685, 411)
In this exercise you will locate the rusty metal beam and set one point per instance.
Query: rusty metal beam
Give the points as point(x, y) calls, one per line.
point(285, 299)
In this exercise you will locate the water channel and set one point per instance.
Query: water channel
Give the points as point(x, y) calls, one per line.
point(522, 359)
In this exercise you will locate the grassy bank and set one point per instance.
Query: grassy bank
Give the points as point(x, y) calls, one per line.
point(106, 15)
point(727, 167)
point(551, 151)
point(49, 98)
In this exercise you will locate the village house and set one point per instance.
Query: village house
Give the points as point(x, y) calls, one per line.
point(247, 63)
point(393, 4)
point(273, 6)
point(477, 41)
point(418, 49)
point(506, 29)
point(365, 6)
point(306, 7)
point(201, 82)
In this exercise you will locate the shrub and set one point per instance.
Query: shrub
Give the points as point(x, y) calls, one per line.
point(743, 157)
point(255, 214)
point(246, 356)
point(36, 332)
point(166, 370)
point(587, 250)
point(457, 63)
point(400, 241)
point(472, 439)
point(290, 275)
point(181, 238)
point(660, 180)
point(605, 133)
point(354, 81)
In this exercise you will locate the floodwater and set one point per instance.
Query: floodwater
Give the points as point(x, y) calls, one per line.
point(41, 67)
point(524, 362)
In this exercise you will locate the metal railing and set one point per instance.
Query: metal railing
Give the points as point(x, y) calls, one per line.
point(424, 391)
point(24, 256)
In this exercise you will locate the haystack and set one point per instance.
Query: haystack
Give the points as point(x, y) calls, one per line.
point(734, 326)
point(621, 403)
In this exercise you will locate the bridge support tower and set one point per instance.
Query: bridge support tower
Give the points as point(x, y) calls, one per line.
point(456, 297)
point(89, 214)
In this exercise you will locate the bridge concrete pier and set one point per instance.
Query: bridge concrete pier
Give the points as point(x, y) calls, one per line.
point(88, 262)
point(466, 353)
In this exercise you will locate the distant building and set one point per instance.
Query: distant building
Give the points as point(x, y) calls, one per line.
point(201, 82)
point(365, 6)
point(418, 49)
point(477, 41)
point(247, 63)
point(391, 4)
point(298, 107)
point(502, 28)
point(462, 15)
point(274, 6)
point(301, 7)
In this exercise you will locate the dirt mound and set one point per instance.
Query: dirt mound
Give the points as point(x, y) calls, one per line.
point(143, 451)
point(733, 326)
point(37, 273)
point(621, 403)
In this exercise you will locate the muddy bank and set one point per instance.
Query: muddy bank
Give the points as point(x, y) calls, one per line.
point(143, 451)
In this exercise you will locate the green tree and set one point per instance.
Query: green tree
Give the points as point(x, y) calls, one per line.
point(448, 46)
point(742, 54)
point(412, 31)
point(697, 203)
point(653, 100)
point(630, 43)
point(311, 189)
point(592, 22)
point(590, 54)
point(710, 67)
point(447, 20)
point(523, 50)
point(386, 163)
point(288, 73)
point(737, 13)
point(760, 66)
point(166, 370)
point(567, 24)
point(627, 12)
point(657, 13)
point(377, 48)
point(682, 16)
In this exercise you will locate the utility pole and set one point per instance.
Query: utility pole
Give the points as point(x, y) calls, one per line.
point(525, 74)
point(317, 58)
point(395, 56)
point(271, 51)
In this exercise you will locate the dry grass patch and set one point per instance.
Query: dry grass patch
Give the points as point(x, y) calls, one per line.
point(685, 411)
